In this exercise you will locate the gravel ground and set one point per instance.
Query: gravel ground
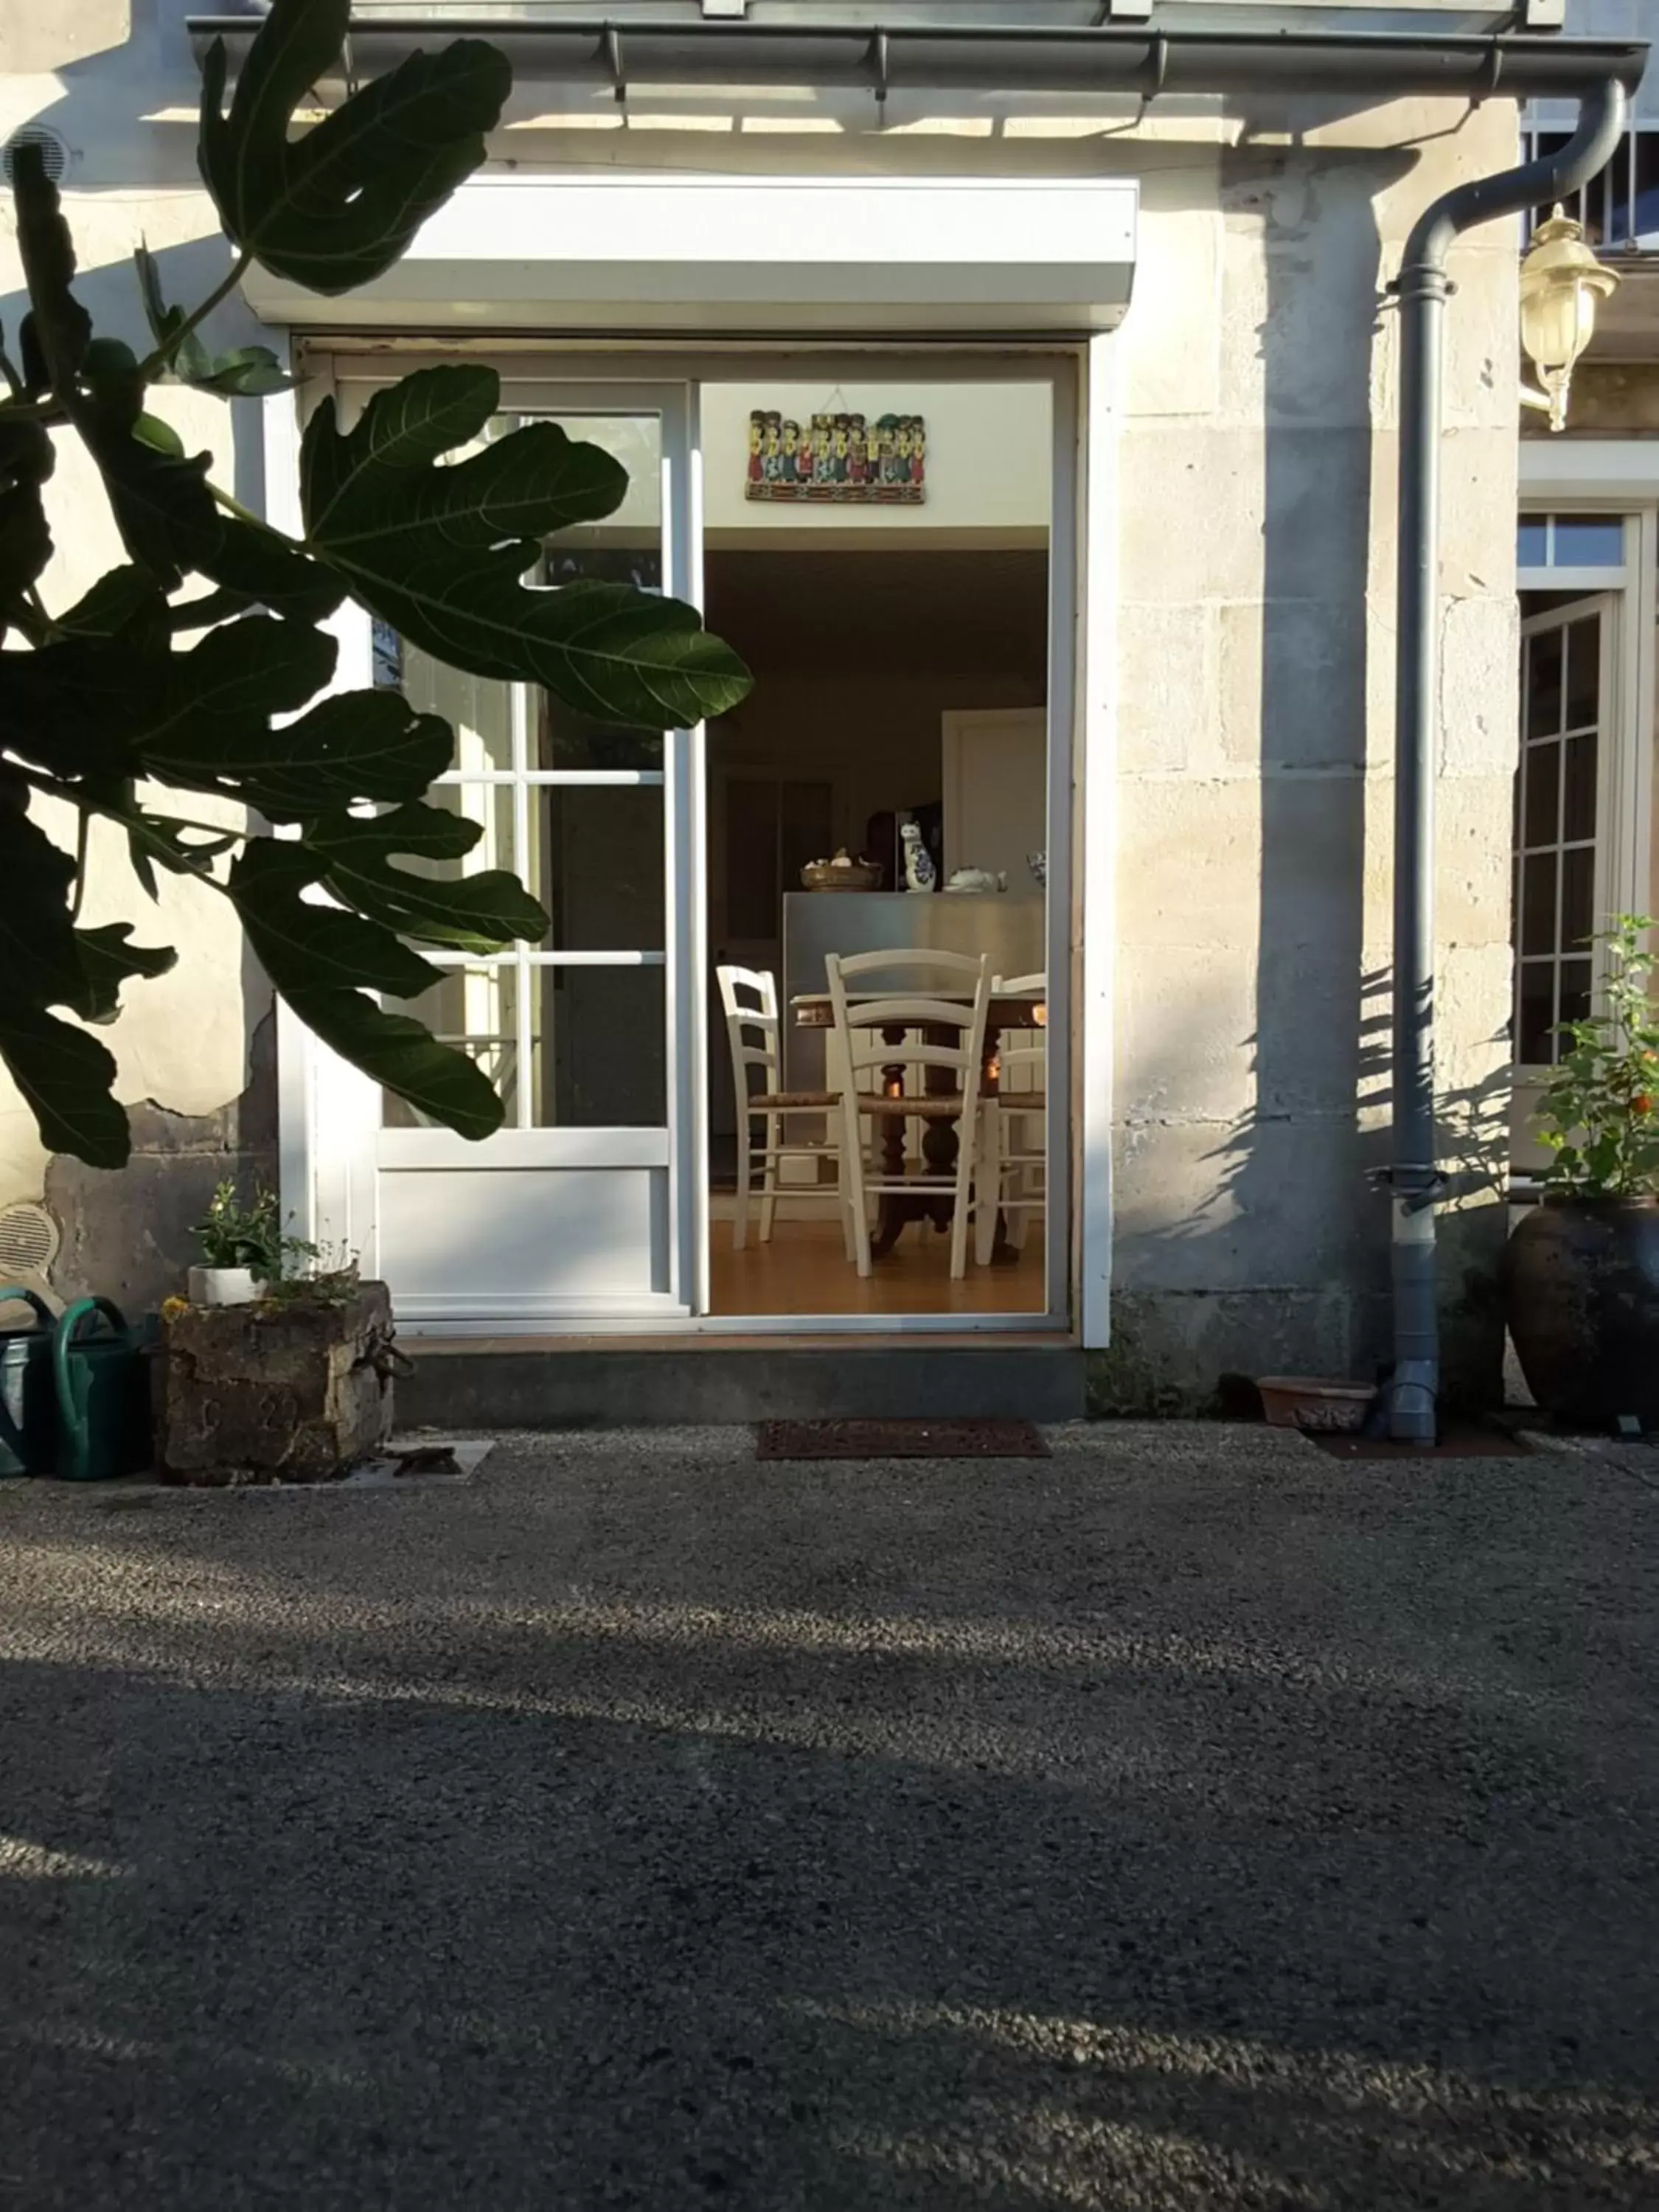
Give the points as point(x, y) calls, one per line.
point(1188, 1822)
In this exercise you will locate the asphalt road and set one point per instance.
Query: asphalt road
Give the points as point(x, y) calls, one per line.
point(1189, 1823)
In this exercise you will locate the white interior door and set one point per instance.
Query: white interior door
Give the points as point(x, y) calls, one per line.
point(996, 790)
point(578, 1206)
point(1563, 800)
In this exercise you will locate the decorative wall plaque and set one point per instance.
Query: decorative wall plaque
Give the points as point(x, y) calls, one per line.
point(837, 459)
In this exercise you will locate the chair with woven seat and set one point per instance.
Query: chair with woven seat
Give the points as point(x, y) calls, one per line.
point(1012, 1160)
point(749, 997)
point(891, 1009)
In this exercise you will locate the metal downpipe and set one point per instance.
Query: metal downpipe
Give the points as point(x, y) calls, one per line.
point(1412, 1178)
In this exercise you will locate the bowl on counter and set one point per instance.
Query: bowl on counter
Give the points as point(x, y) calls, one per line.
point(843, 873)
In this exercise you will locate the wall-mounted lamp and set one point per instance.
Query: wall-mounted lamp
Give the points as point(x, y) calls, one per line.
point(1561, 281)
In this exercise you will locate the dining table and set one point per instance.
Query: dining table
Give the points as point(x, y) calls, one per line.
point(941, 1140)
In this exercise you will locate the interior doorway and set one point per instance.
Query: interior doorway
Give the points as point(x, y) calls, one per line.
point(902, 658)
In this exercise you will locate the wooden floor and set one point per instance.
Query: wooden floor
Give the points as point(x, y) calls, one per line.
point(804, 1270)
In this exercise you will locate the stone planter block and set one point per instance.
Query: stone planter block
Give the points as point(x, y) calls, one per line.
point(289, 1392)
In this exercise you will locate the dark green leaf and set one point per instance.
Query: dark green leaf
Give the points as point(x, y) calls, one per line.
point(189, 357)
point(317, 957)
point(244, 372)
point(65, 1076)
point(380, 483)
point(441, 553)
point(303, 946)
point(260, 567)
point(56, 331)
point(477, 913)
point(395, 1049)
point(205, 610)
point(334, 207)
point(433, 833)
point(98, 706)
point(354, 745)
point(124, 597)
point(109, 369)
point(157, 313)
point(25, 541)
point(108, 961)
point(27, 457)
point(253, 667)
point(37, 957)
point(162, 505)
point(151, 430)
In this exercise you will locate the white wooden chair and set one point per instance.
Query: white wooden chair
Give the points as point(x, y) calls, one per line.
point(749, 997)
point(939, 1033)
point(1013, 1127)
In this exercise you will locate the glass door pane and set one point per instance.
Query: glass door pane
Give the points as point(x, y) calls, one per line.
point(573, 1028)
point(1556, 865)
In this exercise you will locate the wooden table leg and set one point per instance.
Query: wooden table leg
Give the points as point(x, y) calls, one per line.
point(892, 1208)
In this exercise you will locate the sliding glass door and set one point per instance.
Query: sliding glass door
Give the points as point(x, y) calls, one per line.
point(573, 1208)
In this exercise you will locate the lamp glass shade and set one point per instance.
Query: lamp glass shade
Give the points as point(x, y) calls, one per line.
point(1557, 321)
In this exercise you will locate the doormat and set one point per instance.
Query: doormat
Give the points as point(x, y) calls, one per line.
point(899, 1440)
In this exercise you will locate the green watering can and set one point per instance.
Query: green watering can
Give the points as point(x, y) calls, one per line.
point(102, 1384)
point(29, 1412)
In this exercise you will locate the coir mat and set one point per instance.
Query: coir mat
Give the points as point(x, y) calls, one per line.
point(899, 1440)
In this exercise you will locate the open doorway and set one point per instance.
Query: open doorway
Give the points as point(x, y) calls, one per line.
point(900, 718)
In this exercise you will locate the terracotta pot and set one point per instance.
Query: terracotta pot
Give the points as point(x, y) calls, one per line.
point(1582, 1292)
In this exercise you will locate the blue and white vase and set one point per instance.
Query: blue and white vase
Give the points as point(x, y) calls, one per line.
point(920, 873)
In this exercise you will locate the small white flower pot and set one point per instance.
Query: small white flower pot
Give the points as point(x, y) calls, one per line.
point(223, 1287)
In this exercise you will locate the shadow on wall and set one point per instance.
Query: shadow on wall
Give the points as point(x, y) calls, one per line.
point(129, 1235)
point(126, 115)
point(1285, 1263)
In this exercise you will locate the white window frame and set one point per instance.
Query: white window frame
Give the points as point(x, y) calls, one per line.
point(1590, 479)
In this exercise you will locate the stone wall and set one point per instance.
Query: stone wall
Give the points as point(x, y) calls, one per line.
point(1254, 781)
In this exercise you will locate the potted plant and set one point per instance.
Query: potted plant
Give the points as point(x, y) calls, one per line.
point(242, 1248)
point(1583, 1275)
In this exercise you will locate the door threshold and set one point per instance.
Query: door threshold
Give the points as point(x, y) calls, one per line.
point(744, 1337)
point(469, 1384)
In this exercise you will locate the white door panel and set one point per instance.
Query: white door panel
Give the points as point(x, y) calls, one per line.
point(524, 1233)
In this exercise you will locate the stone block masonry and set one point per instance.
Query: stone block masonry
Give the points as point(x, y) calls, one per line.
point(277, 1391)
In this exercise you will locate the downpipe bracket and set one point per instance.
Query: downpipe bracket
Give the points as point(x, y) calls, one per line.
point(1414, 1187)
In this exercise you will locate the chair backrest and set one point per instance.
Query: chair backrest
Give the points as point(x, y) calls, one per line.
point(1022, 1050)
point(879, 997)
point(750, 996)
